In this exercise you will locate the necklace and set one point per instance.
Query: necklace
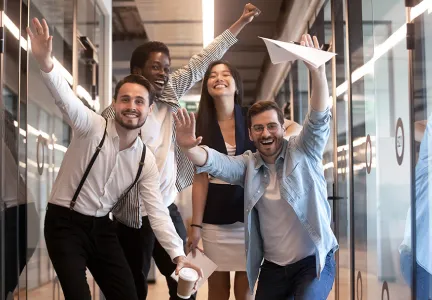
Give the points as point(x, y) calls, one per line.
point(230, 118)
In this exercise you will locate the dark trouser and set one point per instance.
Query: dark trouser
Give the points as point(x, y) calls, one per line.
point(423, 278)
point(296, 281)
point(139, 245)
point(74, 242)
point(17, 250)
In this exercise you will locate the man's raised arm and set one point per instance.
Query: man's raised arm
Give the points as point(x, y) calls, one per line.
point(316, 129)
point(78, 116)
point(184, 78)
point(227, 168)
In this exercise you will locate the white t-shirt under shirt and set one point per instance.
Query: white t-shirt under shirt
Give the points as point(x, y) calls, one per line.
point(285, 239)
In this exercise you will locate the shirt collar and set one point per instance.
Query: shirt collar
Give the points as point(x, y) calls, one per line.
point(260, 162)
point(111, 130)
point(112, 133)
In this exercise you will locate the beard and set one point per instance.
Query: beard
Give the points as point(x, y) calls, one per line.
point(129, 126)
point(271, 151)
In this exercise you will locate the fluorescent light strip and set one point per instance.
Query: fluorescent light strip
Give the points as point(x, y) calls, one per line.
point(60, 148)
point(45, 135)
point(420, 8)
point(65, 73)
point(14, 30)
point(208, 21)
point(383, 48)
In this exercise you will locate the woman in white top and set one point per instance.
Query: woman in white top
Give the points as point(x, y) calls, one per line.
point(217, 206)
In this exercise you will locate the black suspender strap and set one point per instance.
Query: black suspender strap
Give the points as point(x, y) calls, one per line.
point(87, 171)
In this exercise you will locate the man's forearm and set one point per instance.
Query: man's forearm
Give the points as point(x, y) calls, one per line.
point(320, 91)
point(197, 155)
point(237, 27)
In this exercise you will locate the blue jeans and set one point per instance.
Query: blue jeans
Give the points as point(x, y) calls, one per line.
point(296, 281)
point(423, 278)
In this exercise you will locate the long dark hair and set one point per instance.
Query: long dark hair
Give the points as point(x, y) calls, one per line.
point(206, 115)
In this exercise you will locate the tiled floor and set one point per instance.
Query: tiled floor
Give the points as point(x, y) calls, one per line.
point(371, 285)
point(159, 290)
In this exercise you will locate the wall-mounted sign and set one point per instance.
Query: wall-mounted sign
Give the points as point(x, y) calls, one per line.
point(399, 141)
point(40, 149)
point(191, 106)
point(368, 154)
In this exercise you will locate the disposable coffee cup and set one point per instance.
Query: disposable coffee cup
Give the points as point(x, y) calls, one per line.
point(186, 282)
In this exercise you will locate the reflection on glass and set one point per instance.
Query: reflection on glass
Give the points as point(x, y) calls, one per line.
point(15, 207)
point(89, 28)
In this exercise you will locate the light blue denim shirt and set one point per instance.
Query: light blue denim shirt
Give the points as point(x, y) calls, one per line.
point(300, 173)
point(423, 180)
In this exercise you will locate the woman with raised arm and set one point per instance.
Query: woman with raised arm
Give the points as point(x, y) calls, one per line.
point(218, 206)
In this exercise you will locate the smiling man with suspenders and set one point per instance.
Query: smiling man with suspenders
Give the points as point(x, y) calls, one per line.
point(104, 160)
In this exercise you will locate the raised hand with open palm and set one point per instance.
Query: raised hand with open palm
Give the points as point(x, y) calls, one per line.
point(41, 44)
point(185, 129)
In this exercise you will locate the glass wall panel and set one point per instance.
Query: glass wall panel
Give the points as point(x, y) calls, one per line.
point(13, 199)
point(89, 28)
point(46, 141)
point(34, 139)
point(380, 133)
point(341, 207)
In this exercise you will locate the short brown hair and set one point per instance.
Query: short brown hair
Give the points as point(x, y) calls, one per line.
point(138, 79)
point(262, 106)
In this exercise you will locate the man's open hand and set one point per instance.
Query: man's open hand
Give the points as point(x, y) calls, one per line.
point(41, 44)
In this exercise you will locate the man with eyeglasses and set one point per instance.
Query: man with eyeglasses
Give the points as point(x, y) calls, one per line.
point(287, 216)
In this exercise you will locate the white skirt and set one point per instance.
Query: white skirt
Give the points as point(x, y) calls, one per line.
point(225, 246)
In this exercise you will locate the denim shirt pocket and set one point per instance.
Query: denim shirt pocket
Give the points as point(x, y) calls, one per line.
point(298, 180)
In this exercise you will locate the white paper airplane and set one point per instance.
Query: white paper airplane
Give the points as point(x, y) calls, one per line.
point(285, 52)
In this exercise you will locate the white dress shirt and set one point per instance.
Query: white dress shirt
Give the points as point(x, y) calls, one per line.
point(113, 170)
point(158, 133)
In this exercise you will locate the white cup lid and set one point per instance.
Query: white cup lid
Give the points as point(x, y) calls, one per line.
point(188, 274)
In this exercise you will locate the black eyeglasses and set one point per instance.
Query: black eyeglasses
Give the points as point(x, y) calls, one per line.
point(271, 127)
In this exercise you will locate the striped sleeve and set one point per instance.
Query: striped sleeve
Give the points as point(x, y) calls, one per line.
point(108, 113)
point(184, 78)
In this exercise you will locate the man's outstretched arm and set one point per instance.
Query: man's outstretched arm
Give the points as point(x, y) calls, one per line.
point(316, 128)
point(227, 168)
point(79, 117)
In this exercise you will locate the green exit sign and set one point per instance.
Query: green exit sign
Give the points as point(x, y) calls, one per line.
point(191, 106)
